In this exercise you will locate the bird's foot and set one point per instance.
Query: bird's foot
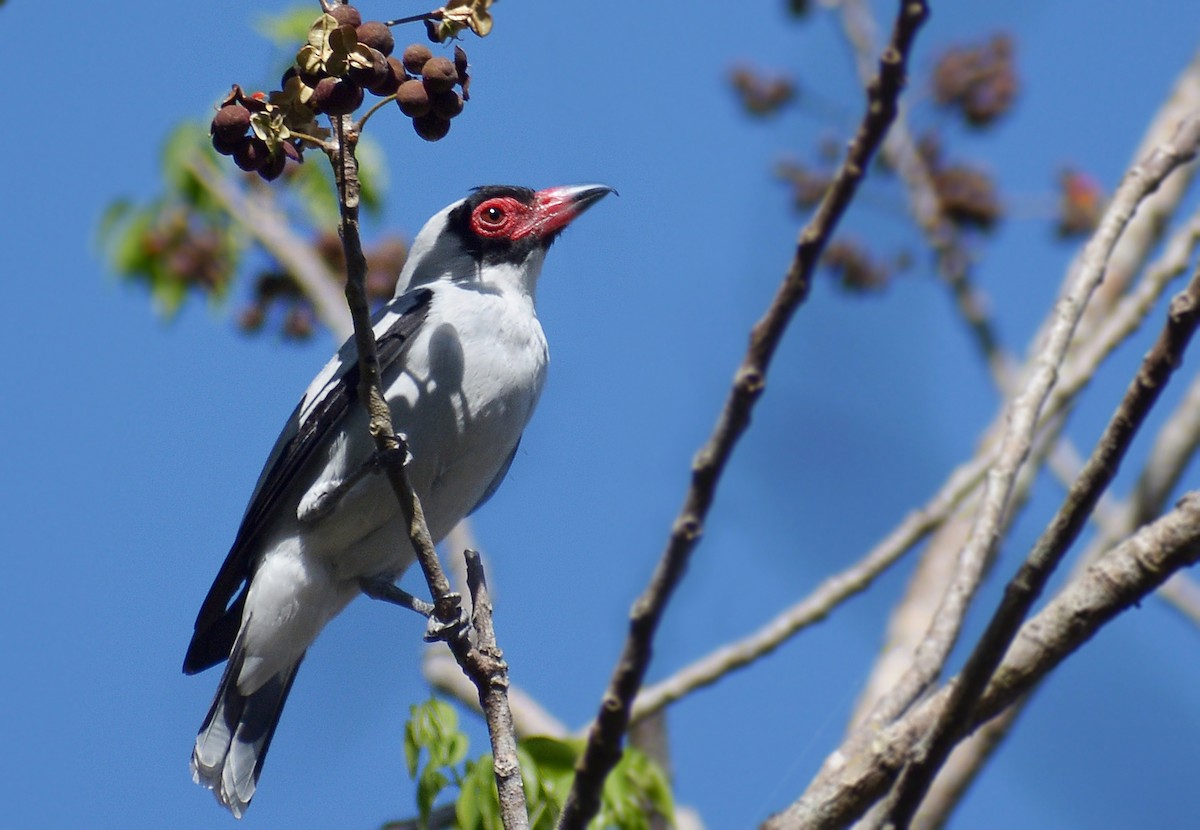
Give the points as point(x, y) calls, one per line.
point(451, 626)
point(382, 460)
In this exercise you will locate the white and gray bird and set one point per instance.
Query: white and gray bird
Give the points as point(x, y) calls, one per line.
point(463, 360)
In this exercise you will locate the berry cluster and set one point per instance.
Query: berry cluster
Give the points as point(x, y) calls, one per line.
point(761, 95)
point(427, 94)
point(980, 82)
point(343, 59)
point(254, 149)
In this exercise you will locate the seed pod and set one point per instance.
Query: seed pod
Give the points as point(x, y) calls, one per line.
point(415, 57)
point(377, 36)
point(272, 168)
point(251, 154)
point(439, 74)
point(336, 96)
point(391, 81)
point(226, 146)
point(413, 99)
point(231, 122)
point(346, 16)
point(447, 104)
point(370, 76)
point(464, 77)
point(431, 127)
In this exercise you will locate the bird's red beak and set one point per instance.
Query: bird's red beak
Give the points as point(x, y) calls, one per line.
point(557, 207)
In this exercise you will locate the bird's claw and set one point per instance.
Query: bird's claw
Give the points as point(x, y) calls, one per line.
point(383, 459)
point(447, 631)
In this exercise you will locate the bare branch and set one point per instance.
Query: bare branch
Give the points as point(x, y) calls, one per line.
point(1113, 584)
point(603, 748)
point(821, 602)
point(487, 668)
point(1050, 548)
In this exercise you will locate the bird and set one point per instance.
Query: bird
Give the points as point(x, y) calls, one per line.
point(463, 360)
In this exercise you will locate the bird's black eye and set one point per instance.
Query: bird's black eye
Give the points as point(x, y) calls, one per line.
point(493, 215)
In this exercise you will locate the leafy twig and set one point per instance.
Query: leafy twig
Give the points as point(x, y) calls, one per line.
point(603, 748)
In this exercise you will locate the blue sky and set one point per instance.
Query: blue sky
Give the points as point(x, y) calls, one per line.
point(133, 443)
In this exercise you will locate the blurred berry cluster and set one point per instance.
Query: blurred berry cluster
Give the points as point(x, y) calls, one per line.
point(977, 85)
point(275, 292)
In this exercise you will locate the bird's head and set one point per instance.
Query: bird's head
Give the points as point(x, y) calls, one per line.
point(499, 231)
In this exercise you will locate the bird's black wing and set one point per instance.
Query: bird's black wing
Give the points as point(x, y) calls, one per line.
point(323, 407)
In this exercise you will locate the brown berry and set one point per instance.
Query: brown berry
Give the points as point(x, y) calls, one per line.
point(272, 168)
point(252, 318)
point(251, 154)
point(346, 15)
point(298, 323)
point(431, 127)
point(415, 56)
point(376, 73)
point(336, 96)
point(413, 99)
point(439, 74)
point(231, 122)
point(226, 146)
point(464, 77)
point(447, 104)
point(377, 36)
point(391, 81)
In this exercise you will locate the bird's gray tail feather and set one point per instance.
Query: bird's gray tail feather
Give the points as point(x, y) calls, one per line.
point(234, 739)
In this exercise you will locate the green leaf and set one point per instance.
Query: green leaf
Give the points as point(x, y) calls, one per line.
point(320, 31)
point(412, 750)
point(457, 746)
point(429, 786)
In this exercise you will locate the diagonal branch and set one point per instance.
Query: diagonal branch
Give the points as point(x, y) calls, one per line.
point(264, 221)
point(1027, 585)
point(603, 748)
point(1118, 581)
point(821, 602)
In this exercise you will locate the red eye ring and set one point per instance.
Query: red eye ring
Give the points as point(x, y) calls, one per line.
point(496, 217)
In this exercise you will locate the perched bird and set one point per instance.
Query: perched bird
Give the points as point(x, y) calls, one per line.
point(463, 359)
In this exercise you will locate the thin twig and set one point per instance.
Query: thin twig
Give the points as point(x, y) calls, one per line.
point(1027, 585)
point(1024, 411)
point(821, 602)
point(489, 671)
point(1113, 584)
point(603, 748)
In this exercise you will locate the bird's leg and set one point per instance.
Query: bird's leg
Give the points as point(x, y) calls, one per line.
point(323, 499)
point(382, 588)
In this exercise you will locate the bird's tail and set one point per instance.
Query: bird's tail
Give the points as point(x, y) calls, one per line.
point(234, 739)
